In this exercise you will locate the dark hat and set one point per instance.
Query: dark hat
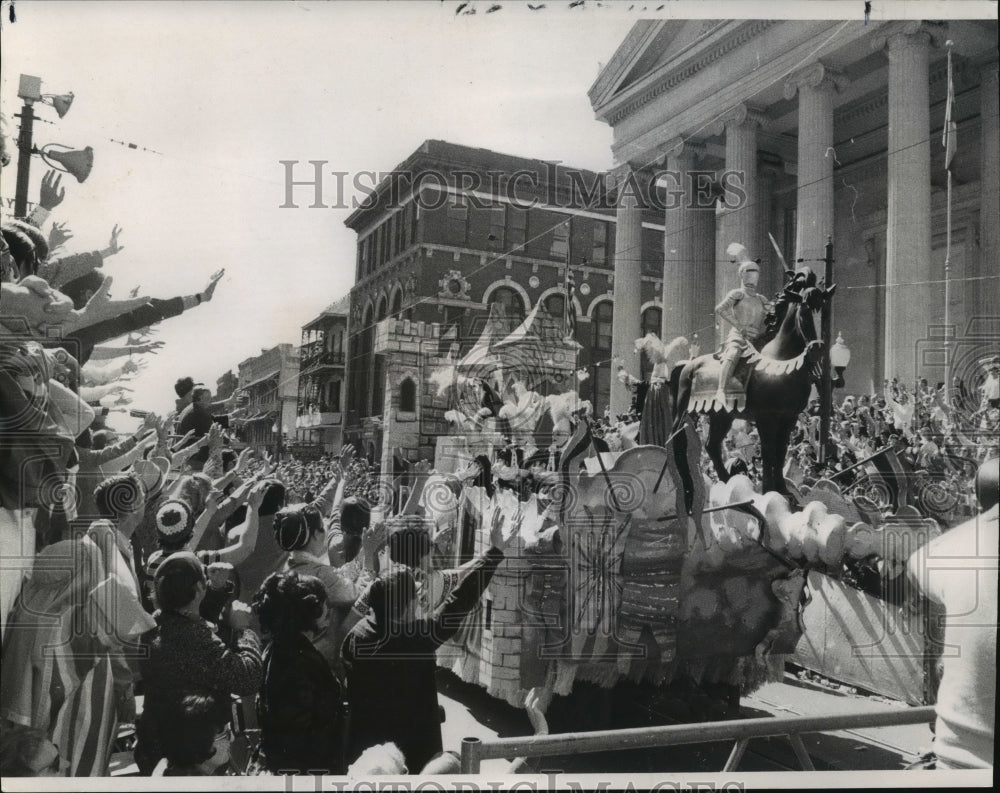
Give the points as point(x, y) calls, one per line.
point(176, 578)
point(183, 387)
point(295, 526)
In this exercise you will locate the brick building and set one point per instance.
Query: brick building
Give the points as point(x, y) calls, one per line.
point(267, 395)
point(453, 231)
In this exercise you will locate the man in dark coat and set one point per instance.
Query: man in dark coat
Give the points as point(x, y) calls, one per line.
point(390, 661)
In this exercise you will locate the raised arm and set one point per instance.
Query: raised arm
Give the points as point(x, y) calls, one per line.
point(422, 473)
point(107, 353)
point(181, 456)
point(245, 535)
point(329, 500)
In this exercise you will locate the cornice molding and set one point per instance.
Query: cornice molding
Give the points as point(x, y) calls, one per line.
point(692, 67)
point(625, 56)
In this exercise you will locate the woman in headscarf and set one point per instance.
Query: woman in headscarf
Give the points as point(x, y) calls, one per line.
point(300, 705)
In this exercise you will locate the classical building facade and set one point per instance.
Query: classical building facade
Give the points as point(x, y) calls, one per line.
point(819, 129)
point(455, 230)
point(322, 362)
point(267, 394)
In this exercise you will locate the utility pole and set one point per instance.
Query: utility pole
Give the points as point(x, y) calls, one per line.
point(30, 90)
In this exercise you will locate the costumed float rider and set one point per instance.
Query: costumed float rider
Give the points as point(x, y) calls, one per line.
point(746, 311)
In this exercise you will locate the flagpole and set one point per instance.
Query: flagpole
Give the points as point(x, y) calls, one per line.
point(949, 149)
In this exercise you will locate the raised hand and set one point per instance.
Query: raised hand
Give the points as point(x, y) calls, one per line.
point(239, 616)
point(535, 704)
point(213, 282)
point(150, 347)
point(496, 529)
point(373, 539)
point(257, 497)
point(243, 460)
point(52, 193)
point(113, 246)
point(215, 438)
point(347, 455)
point(220, 575)
point(101, 307)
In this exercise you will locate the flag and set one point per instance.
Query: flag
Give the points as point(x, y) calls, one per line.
point(569, 309)
point(949, 134)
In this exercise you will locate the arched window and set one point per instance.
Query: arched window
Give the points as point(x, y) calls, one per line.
point(380, 315)
point(510, 300)
point(396, 311)
point(652, 318)
point(555, 304)
point(408, 396)
point(601, 326)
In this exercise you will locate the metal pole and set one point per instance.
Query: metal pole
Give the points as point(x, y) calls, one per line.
point(826, 381)
point(23, 160)
point(471, 755)
point(682, 734)
point(947, 298)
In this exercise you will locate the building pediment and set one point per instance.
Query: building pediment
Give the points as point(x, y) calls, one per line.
point(657, 56)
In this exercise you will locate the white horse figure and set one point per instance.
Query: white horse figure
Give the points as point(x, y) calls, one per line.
point(522, 409)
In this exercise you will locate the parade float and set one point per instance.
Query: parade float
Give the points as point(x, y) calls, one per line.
point(655, 575)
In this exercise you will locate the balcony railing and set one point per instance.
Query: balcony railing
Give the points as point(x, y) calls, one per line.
point(318, 419)
point(321, 358)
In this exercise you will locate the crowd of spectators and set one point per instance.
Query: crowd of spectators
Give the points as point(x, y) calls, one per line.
point(195, 588)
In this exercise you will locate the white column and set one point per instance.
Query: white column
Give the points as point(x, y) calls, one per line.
point(740, 221)
point(688, 274)
point(771, 274)
point(987, 304)
point(908, 232)
point(815, 85)
point(626, 324)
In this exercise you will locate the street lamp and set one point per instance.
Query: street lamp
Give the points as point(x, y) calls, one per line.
point(77, 163)
point(840, 357)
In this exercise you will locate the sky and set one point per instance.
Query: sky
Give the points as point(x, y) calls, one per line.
point(219, 93)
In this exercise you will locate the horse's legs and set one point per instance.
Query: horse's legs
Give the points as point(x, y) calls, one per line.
point(681, 382)
point(718, 427)
point(776, 429)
